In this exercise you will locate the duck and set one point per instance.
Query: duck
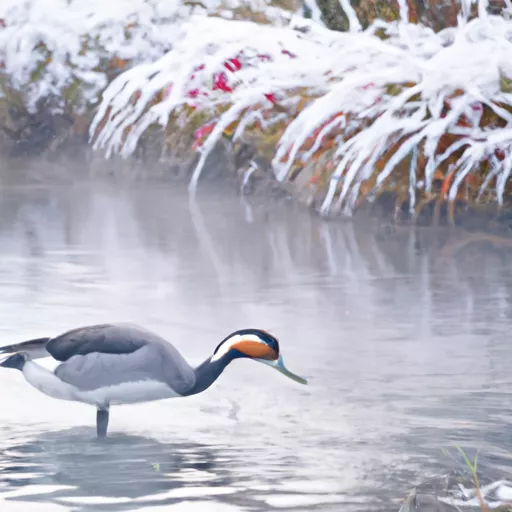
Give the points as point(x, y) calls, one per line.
point(117, 363)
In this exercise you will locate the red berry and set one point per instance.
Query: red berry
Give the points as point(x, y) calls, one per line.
point(271, 98)
point(220, 81)
point(500, 154)
point(290, 54)
point(233, 65)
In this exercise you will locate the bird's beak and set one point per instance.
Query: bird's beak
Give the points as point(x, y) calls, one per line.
point(279, 365)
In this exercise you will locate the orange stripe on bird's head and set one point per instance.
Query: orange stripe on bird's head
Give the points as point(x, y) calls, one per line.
point(256, 349)
point(253, 343)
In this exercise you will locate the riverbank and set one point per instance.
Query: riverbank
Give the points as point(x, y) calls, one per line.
point(410, 125)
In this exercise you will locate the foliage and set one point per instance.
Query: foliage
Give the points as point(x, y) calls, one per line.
point(58, 56)
point(435, 14)
point(345, 116)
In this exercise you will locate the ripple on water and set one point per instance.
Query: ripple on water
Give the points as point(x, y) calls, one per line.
point(128, 472)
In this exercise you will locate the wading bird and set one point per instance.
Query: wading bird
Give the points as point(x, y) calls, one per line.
point(108, 364)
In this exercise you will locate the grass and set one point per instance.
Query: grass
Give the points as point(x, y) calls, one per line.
point(473, 468)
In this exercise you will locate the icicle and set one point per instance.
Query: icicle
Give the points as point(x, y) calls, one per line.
point(316, 13)
point(353, 21)
point(496, 168)
point(412, 179)
point(501, 181)
point(226, 119)
point(471, 156)
point(404, 10)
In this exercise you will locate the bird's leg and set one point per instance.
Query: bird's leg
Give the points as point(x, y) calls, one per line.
point(102, 422)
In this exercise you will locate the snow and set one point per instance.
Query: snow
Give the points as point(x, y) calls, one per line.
point(495, 495)
point(347, 75)
point(406, 92)
point(82, 35)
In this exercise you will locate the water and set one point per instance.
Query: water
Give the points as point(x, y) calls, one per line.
point(406, 352)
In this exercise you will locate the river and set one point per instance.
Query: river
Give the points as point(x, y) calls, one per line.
point(406, 352)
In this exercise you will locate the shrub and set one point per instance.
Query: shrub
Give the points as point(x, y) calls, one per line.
point(346, 116)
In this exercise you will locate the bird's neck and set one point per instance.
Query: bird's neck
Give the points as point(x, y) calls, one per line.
point(208, 372)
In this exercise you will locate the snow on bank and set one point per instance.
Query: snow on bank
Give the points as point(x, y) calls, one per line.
point(436, 101)
point(218, 63)
point(53, 49)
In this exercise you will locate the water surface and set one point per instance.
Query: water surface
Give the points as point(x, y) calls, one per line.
point(406, 352)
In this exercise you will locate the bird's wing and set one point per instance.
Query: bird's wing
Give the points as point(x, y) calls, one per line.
point(103, 338)
point(150, 362)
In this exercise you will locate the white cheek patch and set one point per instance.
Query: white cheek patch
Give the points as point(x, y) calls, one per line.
point(226, 347)
point(230, 342)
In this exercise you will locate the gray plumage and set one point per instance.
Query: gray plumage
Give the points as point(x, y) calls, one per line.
point(104, 339)
point(150, 362)
point(108, 354)
point(36, 348)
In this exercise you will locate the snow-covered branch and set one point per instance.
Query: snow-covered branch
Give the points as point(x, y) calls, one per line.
point(65, 52)
point(415, 106)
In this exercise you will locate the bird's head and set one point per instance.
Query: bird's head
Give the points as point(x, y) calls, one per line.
point(255, 344)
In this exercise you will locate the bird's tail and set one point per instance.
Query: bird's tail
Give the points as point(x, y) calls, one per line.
point(34, 348)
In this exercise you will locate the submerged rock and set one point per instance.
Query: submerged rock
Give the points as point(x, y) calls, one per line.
point(424, 503)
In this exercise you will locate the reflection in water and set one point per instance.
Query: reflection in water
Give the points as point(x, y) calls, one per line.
point(125, 472)
point(406, 350)
point(130, 472)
